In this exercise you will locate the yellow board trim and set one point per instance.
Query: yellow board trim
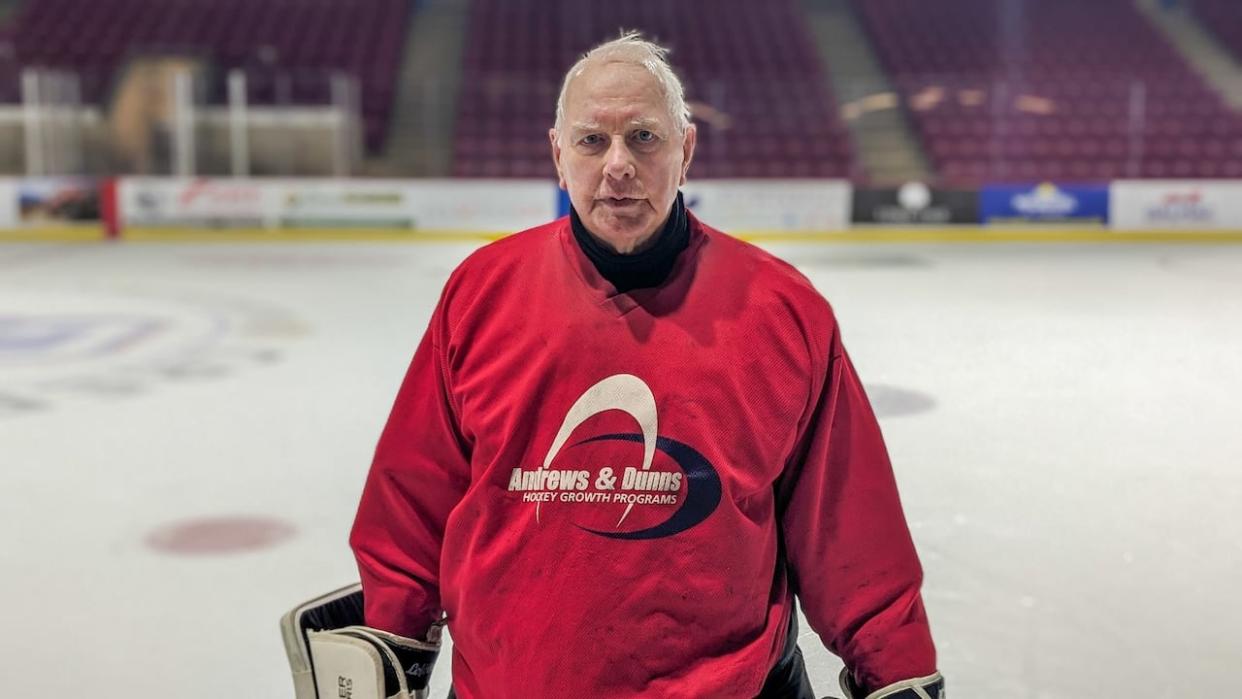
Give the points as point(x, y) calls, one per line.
point(53, 234)
point(949, 234)
point(983, 234)
point(260, 235)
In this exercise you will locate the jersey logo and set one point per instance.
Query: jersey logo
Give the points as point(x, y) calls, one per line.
point(632, 396)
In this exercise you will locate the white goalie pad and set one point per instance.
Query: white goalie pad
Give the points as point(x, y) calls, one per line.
point(930, 687)
point(348, 663)
point(332, 654)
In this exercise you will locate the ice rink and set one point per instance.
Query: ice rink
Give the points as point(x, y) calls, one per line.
point(185, 429)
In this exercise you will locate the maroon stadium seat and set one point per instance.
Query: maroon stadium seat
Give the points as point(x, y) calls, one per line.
point(1065, 97)
point(753, 61)
point(304, 40)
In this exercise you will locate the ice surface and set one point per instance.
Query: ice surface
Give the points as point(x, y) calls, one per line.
point(1064, 421)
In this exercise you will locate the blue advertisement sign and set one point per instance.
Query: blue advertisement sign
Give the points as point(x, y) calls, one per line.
point(1044, 203)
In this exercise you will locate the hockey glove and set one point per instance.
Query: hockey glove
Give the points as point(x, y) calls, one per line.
point(332, 654)
point(930, 687)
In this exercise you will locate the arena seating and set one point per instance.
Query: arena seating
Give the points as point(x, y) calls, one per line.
point(288, 47)
point(1224, 19)
point(1050, 89)
point(752, 61)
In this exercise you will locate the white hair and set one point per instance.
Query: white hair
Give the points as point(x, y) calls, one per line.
point(631, 48)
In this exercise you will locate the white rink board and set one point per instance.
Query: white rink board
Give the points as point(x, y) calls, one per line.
point(442, 205)
point(9, 215)
point(493, 206)
point(483, 205)
point(771, 205)
point(322, 203)
point(1176, 205)
point(195, 201)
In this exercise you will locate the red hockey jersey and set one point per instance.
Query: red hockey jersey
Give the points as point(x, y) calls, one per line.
point(618, 495)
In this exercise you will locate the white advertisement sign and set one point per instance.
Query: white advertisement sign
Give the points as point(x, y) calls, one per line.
point(203, 201)
point(501, 206)
point(493, 206)
point(10, 217)
point(758, 206)
point(344, 204)
point(1201, 205)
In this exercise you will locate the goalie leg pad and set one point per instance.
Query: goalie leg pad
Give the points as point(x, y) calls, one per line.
point(334, 656)
point(930, 687)
point(348, 667)
point(336, 609)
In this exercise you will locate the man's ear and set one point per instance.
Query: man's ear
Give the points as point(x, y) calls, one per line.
point(556, 158)
point(687, 151)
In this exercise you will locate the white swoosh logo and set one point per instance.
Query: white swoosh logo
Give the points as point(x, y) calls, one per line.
point(624, 392)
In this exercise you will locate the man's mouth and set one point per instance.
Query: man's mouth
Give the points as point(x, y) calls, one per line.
point(620, 202)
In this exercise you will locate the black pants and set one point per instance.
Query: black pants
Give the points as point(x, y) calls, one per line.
point(788, 678)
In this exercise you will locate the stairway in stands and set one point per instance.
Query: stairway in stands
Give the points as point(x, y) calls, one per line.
point(420, 143)
point(1199, 46)
point(886, 145)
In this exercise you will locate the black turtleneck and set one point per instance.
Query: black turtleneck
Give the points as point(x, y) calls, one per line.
point(640, 270)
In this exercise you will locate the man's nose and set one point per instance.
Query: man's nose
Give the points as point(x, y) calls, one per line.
point(619, 161)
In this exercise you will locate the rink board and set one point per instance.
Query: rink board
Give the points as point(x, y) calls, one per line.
point(202, 209)
point(962, 234)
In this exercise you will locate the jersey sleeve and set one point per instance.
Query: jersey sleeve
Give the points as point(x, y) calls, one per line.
point(420, 472)
point(850, 555)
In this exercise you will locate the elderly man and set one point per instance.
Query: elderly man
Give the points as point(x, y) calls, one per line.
point(628, 442)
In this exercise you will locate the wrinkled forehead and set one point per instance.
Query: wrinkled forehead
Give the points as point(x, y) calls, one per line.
point(608, 93)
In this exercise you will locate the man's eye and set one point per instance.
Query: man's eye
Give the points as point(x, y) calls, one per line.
point(644, 136)
point(591, 140)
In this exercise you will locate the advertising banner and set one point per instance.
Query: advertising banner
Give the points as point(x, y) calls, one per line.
point(1203, 205)
point(343, 204)
point(10, 215)
point(33, 207)
point(196, 202)
point(57, 200)
point(1044, 203)
point(493, 206)
point(915, 204)
point(761, 206)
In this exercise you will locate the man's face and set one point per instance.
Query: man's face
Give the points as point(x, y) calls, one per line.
point(620, 155)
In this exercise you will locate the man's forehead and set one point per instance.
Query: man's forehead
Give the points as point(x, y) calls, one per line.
point(611, 92)
point(604, 74)
point(596, 123)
